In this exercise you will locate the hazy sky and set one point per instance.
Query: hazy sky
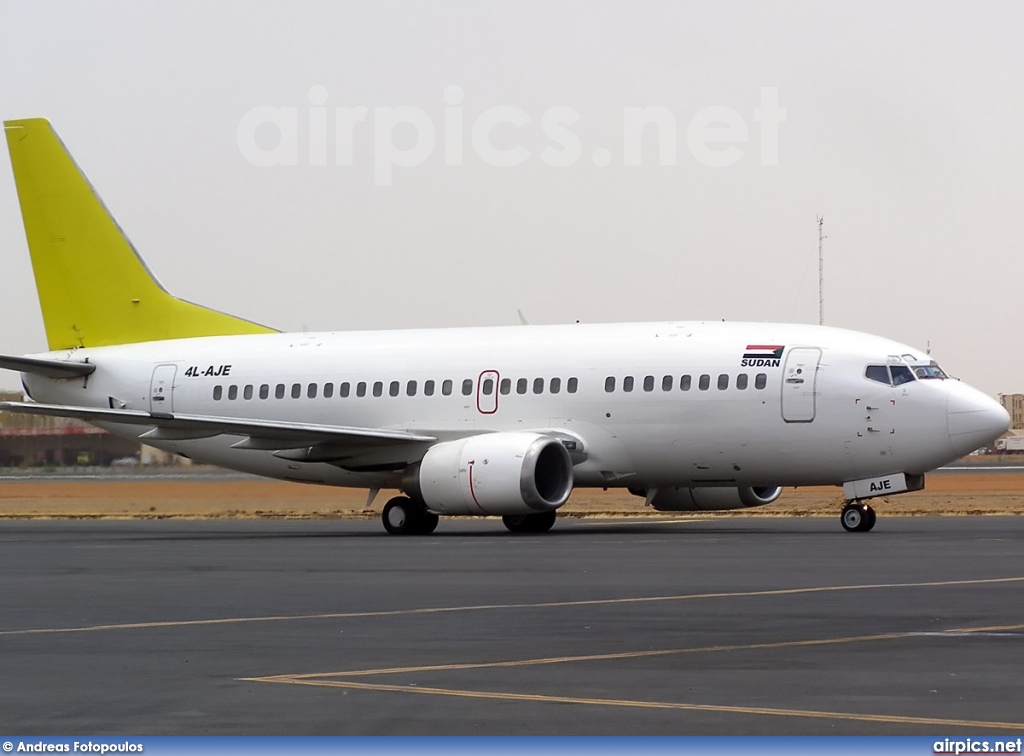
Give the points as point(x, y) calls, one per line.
point(904, 126)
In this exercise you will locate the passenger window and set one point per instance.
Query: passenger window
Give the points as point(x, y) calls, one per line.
point(446, 387)
point(506, 386)
point(627, 383)
point(900, 374)
point(488, 387)
point(572, 385)
point(761, 380)
point(247, 392)
point(704, 383)
point(609, 384)
point(878, 373)
point(343, 389)
point(723, 382)
point(232, 392)
point(538, 385)
point(684, 383)
point(666, 383)
point(296, 390)
point(428, 388)
point(378, 388)
point(264, 391)
point(556, 385)
point(741, 381)
point(649, 383)
point(521, 385)
point(328, 390)
point(395, 388)
point(410, 388)
point(279, 391)
point(311, 391)
point(467, 387)
point(218, 392)
point(361, 389)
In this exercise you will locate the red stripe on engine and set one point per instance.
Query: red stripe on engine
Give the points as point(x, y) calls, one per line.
point(471, 491)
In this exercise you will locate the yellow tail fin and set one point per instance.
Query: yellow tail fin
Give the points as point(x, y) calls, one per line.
point(94, 289)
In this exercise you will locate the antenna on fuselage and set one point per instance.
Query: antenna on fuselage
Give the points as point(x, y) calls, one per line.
point(821, 270)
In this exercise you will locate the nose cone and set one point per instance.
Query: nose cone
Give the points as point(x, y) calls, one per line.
point(974, 420)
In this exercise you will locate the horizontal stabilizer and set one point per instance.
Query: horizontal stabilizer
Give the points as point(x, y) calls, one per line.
point(271, 434)
point(47, 368)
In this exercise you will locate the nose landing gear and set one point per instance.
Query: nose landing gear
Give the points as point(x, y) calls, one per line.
point(857, 517)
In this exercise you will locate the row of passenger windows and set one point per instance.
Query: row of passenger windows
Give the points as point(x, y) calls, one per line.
point(686, 382)
point(505, 386)
point(394, 388)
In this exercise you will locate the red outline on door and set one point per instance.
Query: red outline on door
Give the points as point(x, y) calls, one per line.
point(479, 387)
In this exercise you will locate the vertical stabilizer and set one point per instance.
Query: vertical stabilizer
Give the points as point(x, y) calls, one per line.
point(94, 289)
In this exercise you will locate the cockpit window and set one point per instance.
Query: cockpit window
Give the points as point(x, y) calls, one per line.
point(900, 374)
point(931, 370)
point(891, 375)
point(878, 373)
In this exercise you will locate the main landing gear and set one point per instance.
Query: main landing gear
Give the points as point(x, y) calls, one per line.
point(857, 517)
point(403, 516)
point(529, 523)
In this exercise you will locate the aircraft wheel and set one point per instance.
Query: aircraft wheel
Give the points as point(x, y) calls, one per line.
point(857, 517)
point(529, 523)
point(399, 516)
point(428, 522)
point(403, 516)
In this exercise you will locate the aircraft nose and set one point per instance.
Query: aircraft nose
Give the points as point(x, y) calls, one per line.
point(974, 419)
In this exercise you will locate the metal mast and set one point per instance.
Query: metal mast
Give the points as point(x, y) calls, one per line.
point(821, 270)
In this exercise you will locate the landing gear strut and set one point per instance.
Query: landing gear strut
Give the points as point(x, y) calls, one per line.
point(857, 517)
point(529, 523)
point(403, 516)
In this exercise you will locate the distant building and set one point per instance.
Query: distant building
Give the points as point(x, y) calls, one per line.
point(1014, 404)
point(32, 440)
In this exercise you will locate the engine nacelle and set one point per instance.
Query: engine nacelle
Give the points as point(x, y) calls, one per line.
point(493, 474)
point(712, 498)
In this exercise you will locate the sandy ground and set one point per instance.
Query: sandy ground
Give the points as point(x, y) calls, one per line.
point(980, 493)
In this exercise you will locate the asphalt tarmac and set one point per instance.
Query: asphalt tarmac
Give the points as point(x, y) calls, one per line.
point(675, 627)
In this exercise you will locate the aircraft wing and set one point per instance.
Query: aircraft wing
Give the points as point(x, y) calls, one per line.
point(258, 434)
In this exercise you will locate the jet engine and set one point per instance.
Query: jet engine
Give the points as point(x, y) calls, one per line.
point(492, 474)
point(676, 499)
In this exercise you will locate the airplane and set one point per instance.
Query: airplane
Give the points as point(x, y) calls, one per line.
point(486, 421)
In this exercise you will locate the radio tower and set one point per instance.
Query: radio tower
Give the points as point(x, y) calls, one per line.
point(821, 270)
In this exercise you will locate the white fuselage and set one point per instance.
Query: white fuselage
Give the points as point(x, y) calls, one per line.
point(804, 414)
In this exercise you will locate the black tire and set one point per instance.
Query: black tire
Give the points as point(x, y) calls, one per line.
point(399, 516)
point(871, 519)
point(403, 516)
point(530, 523)
point(856, 517)
point(427, 522)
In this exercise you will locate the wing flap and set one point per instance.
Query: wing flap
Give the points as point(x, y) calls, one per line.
point(260, 434)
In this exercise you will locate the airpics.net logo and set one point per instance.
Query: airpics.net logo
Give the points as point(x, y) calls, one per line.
point(405, 137)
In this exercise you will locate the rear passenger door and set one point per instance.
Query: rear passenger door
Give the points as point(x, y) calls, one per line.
point(161, 389)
